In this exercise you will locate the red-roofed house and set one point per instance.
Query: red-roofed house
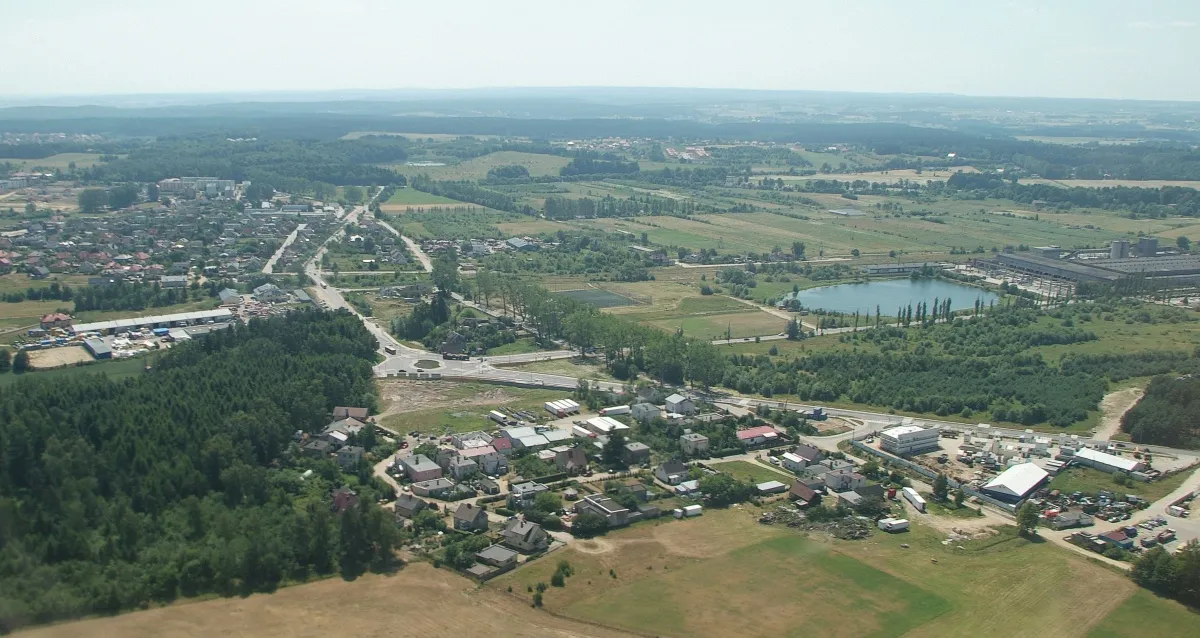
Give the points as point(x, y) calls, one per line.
point(56, 320)
point(502, 445)
point(803, 495)
point(757, 436)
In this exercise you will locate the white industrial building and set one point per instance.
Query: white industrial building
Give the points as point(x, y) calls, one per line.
point(220, 315)
point(1106, 462)
point(605, 425)
point(1016, 483)
point(908, 439)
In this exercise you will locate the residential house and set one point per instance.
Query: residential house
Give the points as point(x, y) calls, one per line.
point(56, 320)
point(613, 512)
point(680, 404)
point(498, 556)
point(173, 281)
point(693, 444)
point(871, 491)
point(760, 435)
point(350, 456)
point(489, 486)
point(636, 452)
point(524, 536)
point(636, 488)
point(344, 412)
point(793, 462)
point(672, 472)
point(343, 499)
point(408, 505)
point(434, 488)
point(644, 412)
point(804, 496)
point(844, 481)
point(521, 495)
point(454, 343)
point(488, 460)
point(470, 518)
point(230, 297)
point(810, 453)
point(571, 460)
point(317, 449)
point(462, 468)
point(419, 467)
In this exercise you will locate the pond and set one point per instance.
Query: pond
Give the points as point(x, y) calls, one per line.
point(891, 294)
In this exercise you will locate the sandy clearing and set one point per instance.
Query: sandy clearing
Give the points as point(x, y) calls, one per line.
point(56, 357)
point(1113, 407)
point(400, 396)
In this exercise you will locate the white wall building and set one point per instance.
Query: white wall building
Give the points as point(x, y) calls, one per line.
point(908, 439)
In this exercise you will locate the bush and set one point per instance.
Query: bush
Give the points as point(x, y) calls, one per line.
point(504, 511)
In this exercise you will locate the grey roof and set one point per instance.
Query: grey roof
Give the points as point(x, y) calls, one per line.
point(676, 398)
point(409, 502)
point(497, 553)
point(436, 484)
point(636, 446)
point(421, 463)
point(468, 512)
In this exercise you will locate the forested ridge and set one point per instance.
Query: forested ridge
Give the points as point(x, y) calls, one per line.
point(184, 480)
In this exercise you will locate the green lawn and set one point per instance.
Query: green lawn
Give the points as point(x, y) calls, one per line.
point(520, 346)
point(589, 368)
point(1145, 614)
point(744, 470)
point(61, 161)
point(414, 197)
point(1086, 479)
point(115, 369)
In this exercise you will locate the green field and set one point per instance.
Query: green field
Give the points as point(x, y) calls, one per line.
point(722, 574)
point(1144, 614)
point(477, 168)
point(598, 297)
point(404, 197)
point(114, 368)
point(745, 470)
point(1088, 480)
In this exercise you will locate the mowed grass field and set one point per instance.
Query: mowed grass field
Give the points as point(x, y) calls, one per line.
point(417, 602)
point(722, 574)
point(408, 198)
point(745, 470)
point(477, 168)
point(61, 161)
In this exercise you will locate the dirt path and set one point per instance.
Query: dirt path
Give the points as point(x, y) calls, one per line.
point(782, 314)
point(1113, 407)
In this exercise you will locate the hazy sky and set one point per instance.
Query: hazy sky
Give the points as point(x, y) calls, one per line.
point(1148, 49)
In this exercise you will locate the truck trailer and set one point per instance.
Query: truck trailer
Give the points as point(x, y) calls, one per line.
point(911, 496)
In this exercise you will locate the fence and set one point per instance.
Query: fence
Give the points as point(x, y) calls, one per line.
point(931, 475)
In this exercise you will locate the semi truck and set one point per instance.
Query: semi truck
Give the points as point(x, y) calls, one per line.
point(893, 524)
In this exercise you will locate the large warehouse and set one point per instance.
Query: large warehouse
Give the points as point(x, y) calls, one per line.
point(116, 326)
point(908, 439)
point(1016, 483)
point(1185, 268)
point(1106, 462)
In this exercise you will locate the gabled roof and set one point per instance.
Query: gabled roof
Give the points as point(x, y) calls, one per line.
point(676, 398)
point(1018, 480)
point(802, 492)
point(468, 512)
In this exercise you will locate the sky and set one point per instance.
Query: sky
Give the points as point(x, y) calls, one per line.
point(1149, 49)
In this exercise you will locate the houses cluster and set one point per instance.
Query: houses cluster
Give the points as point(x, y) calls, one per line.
point(159, 244)
point(335, 438)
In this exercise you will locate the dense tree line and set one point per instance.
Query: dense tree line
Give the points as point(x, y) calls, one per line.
point(470, 192)
point(55, 291)
point(1168, 414)
point(586, 163)
point(292, 165)
point(183, 481)
point(609, 206)
point(1177, 199)
point(127, 296)
point(1176, 575)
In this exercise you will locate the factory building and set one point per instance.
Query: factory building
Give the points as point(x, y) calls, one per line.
point(908, 439)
